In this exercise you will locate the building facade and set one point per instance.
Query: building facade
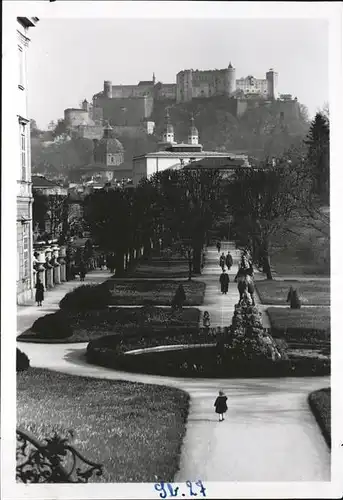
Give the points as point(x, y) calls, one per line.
point(174, 155)
point(23, 169)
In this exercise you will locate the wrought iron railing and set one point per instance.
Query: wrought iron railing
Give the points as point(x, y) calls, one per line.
point(55, 461)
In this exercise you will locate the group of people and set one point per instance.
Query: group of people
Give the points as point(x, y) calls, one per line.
point(224, 279)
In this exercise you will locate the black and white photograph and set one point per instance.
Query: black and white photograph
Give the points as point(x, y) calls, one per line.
point(171, 284)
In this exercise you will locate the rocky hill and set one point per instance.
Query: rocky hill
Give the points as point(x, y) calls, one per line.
point(260, 131)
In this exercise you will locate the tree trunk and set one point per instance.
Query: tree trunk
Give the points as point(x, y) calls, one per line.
point(119, 264)
point(190, 265)
point(266, 261)
point(197, 259)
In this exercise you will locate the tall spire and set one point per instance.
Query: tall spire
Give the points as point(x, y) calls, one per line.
point(168, 133)
point(153, 78)
point(193, 134)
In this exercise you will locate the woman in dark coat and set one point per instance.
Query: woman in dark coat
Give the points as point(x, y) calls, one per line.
point(222, 261)
point(82, 271)
point(224, 282)
point(220, 405)
point(39, 292)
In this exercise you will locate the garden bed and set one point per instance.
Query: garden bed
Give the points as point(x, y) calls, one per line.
point(88, 325)
point(135, 430)
point(311, 325)
point(310, 292)
point(211, 361)
point(320, 404)
point(159, 292)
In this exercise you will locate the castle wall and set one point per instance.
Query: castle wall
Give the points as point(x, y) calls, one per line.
point(126, 111)
point(74, 117)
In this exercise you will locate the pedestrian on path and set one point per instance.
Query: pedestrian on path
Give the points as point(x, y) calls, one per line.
point(224, 282)
point(221, 405)
point(222, 261)
point(229, 260)
point(218, 246)
point(39, 292)
point(82, 271)
point(206, 320)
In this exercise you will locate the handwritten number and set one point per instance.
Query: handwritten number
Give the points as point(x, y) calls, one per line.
point(191, 492)
point(160, 487)
point(202, 488)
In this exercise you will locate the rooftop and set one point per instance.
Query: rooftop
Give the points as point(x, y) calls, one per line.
point(41, 181)
point(189, 154)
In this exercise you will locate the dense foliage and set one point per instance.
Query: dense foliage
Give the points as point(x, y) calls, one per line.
point(23, 362)
point(86, 297)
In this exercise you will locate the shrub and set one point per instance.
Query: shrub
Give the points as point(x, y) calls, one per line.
point(53, 326)
point(86, 297)
point(320, 404)
point(23, 362)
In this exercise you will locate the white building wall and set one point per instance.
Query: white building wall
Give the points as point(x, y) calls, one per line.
point(22, 165)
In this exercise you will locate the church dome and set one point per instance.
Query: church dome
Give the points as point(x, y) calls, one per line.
point(112, 144)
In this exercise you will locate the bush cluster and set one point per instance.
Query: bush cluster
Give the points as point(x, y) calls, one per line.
point(53, 326)
point(23, 362)
point(86, 297)
point(320, 404)
point(249, 339)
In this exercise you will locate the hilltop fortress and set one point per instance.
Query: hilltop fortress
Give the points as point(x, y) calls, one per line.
point(128, 108)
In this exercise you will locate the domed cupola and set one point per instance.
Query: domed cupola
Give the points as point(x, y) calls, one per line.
point(193, 134)
point(109, 150)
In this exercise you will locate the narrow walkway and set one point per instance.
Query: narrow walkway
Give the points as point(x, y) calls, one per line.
point(220, 307)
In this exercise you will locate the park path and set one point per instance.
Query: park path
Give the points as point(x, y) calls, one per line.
point(219, 306)
point(269, 433)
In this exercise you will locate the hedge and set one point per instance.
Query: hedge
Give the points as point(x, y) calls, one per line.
point(23, 362)
point(53, 326)
point(320, 404)
point(86, 297)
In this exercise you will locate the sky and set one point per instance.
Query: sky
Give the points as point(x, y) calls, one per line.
point(69, 59)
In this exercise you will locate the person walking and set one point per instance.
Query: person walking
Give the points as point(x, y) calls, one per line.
point(229, 260)
point(218, 246)
point(222, 261)
point(39, 292)
point(206, 320)
point(224, 282)
point(221, 405)
point(82, 270)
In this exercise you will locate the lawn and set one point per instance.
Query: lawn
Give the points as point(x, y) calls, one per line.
point(134, 430)
point(320, 403)
point(159, 292)
point(295, 322)
point(89, 325)
point(310, 292)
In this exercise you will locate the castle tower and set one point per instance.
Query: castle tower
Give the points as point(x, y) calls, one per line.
point(230, 83)
point(85, 105)
point(193, 134)
point(108, 89)
point(168, 133)
point(271, 77)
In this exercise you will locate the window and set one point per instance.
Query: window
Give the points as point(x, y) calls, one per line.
point(25, 253)
point(21, 67)
point(23, 152)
